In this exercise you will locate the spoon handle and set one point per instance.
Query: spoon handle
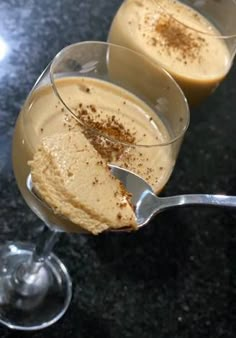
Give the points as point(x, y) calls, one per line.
point(216, 200)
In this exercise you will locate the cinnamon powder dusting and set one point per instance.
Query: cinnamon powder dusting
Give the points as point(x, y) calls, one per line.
point(108, 126)
point(98, 127)
point(178, 38)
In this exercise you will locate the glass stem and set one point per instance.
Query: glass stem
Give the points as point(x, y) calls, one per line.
point(45, 244)
point(43, 247)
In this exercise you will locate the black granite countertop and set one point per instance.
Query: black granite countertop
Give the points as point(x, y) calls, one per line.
point(176, 277)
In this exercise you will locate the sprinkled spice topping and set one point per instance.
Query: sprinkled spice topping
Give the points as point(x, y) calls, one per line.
point(109, 126)
point(111, 137)
point(95, 181)
point(177, 37)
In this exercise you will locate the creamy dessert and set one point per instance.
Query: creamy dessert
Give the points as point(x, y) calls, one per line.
point(74, 180)
point(68, 156)
point(197, 58)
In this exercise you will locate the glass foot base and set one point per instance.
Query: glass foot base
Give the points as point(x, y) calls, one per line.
point(42, 300)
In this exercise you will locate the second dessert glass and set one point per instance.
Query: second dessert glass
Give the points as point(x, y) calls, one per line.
point(194, 40)
point(35, 287)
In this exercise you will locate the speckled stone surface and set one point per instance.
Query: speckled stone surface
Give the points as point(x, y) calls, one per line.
point(177, 277)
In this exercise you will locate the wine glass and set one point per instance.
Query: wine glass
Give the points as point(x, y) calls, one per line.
point(35, 287)
point(195, 40)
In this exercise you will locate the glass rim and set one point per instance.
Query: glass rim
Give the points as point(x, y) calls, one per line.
point(218, 36)
point(99, 133)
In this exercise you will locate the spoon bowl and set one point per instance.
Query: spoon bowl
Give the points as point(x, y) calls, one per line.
point(146, 203)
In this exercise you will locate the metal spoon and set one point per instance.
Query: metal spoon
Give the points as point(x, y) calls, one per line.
point(146, 203)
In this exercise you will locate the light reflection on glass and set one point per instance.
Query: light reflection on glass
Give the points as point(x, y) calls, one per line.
point(3, 48)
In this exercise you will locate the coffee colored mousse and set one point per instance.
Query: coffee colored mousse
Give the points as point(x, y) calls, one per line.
point(68, 158)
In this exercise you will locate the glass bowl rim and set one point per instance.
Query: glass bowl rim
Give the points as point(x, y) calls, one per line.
point(99, 133)
point(216, 36)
